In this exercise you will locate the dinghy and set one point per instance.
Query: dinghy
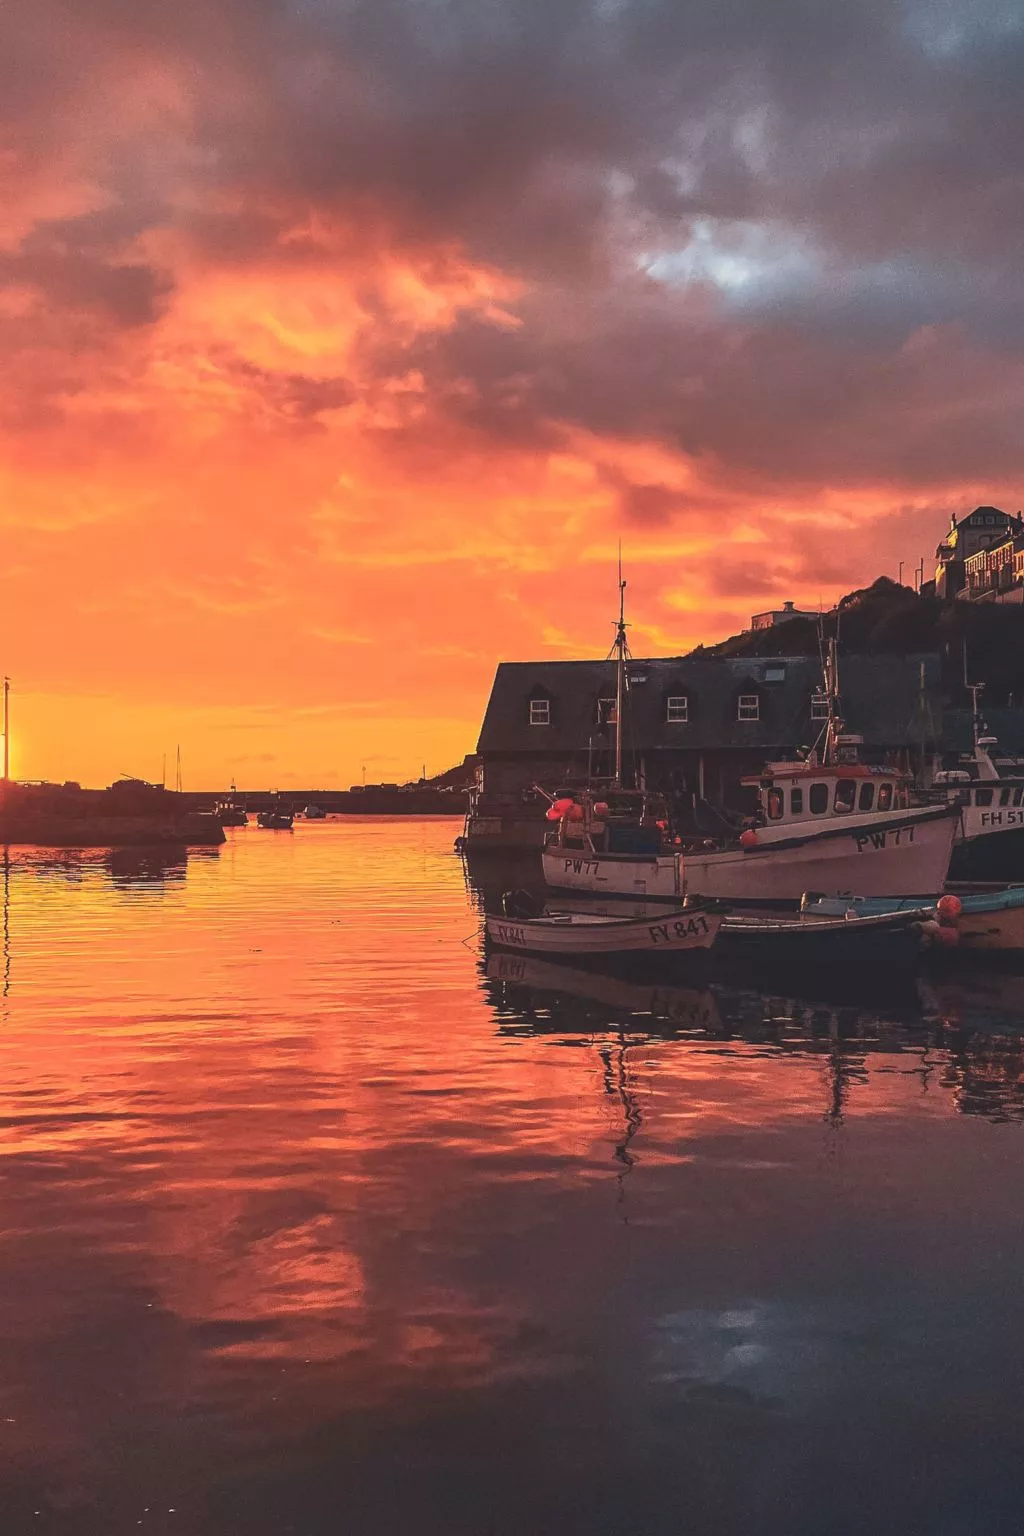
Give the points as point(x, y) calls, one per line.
point(589, 934)
point(991, 921)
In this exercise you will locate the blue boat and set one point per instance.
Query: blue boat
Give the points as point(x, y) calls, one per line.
point(986, 920)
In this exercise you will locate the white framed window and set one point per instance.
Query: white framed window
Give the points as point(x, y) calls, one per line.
point(677, 709)
point(606, 712)
point(748, 706)
point(819, 705)
point(540, 711)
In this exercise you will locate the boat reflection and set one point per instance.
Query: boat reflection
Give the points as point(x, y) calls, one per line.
point(964, 1035)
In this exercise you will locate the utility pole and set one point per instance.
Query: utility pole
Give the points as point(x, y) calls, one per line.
point(900, 577)
point(7, 729)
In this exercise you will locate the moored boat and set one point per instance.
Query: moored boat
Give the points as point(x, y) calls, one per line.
point(987, 921)
point(589, 934)
point(276, 818)
point(990, 793)
point(826, 823)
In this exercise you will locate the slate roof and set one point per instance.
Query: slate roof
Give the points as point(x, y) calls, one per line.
point(881, 697)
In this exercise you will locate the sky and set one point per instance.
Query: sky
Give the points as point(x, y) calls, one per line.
point(343, 341)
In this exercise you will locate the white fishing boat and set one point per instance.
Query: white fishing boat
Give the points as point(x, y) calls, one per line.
point(826, 823)
point(589, 934)
point(990, 793)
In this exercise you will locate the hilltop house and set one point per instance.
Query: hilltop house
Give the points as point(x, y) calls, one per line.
point(971, 537)
point(782, 615)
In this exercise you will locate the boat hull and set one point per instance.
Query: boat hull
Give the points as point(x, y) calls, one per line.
point(610, 874)
point(902, 855)
point(673, 933)
point(988, 853)
point(899, 857)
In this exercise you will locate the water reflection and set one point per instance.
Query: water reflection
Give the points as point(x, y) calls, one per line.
point(967, 1029)
point(313, 1218)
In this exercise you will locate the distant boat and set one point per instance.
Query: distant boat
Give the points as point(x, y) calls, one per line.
point(275, 819)
point(315, 813)
point(231, 812)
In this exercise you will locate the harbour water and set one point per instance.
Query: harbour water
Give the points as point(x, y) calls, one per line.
point(311, 1222)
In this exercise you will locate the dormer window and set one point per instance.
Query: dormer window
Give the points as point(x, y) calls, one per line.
point(606, 714)
point(540, 711)
point(677, 709)
point(748, 706)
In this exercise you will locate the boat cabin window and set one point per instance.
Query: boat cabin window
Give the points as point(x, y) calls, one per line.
point(748, 706)
point(1004, 796)
point(818, 799)
point(819, 705)
point(1017, 795)
point(884, 797)
point(866, 798)
point(776, 804)
point(983, 796)
point(540, 711)
point(845, 796)
point(677, 709)
point(796, 801)
point(606, 711)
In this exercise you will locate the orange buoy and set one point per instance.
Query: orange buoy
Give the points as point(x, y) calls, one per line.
point(748, 839)
point(949, 906)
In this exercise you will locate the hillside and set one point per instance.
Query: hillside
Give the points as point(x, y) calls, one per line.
point(889, 619)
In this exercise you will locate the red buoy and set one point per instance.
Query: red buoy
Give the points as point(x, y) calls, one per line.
point(748, 839)
point(949, 906)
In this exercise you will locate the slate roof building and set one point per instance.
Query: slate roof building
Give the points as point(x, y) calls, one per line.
point(695, 725)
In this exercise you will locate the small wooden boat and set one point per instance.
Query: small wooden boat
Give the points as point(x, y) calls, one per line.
point(810, 934)
point(275, 820)
point(981, 920)
point(588, 934)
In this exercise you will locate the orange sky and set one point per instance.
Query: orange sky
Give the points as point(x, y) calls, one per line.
point(337, 365)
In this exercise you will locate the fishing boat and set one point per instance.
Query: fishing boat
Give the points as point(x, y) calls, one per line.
point(276, 818)
point(826, 822)
point(593, 935)
point(991, 797)
point(231, 812)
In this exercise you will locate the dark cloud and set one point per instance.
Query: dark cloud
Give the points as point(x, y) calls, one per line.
point(733, 220)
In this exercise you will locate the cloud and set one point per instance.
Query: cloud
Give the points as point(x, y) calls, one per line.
point(388, 318)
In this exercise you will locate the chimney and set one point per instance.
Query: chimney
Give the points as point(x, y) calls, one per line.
point(787, 607)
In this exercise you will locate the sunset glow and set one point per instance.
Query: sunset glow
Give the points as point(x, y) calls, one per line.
point(343, 343)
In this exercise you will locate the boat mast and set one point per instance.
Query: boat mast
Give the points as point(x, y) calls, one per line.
point(7, 729)
point(620, 674)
